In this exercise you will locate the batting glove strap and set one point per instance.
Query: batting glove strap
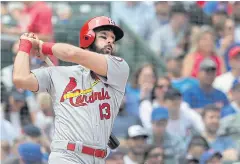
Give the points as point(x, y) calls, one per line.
point(47, 48)
point(25, 46)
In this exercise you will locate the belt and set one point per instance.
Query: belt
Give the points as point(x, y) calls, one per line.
point(79, 147)
point(100, 153)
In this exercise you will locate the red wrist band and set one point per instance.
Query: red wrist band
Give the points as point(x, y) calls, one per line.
point(47, 48)
point(25, 46)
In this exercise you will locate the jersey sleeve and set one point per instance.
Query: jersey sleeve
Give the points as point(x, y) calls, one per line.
point(43, 78)
point(117, 73)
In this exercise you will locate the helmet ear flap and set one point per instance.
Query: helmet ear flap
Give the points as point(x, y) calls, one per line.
point(88, 39)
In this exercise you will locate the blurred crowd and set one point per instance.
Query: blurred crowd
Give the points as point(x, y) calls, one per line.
point(191, 114)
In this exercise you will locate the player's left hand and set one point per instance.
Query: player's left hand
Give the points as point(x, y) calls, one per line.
point(38, 53)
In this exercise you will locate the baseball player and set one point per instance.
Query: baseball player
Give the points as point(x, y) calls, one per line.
point(86, 97)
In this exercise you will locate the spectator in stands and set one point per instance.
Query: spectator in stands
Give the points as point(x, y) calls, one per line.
point(141, 88)
point(13, 158)
point(205, 48)
point(5, 150)
point(31, 153)
point(35, 135)
point(4, 10)
point(4, 93)
point(204, 94)
point(40, 22)
point(154, 155)
point(115, 158)
point(164, 40)
point(5, 17)
point(134, 14)
point(211, 118)
point(229, 126)
point(17, 111)
point(236, 16)
point(44, 115)
point(147, 105)
point(6, 72)
point(197, 146)
point(174, 71)
point(137, 136)
point(8, 131)
point(64, 13)
point(32, 133)
point(195, 30)
point(224, 82)
point(234, 107)
point(182, 121)
point(173, 146)
point(211, 157)
point(36, 18)
point(161, 17)
point(15, 10)
point(122, 122)
point(219, 17)
point(228, 36)
point(220, 9)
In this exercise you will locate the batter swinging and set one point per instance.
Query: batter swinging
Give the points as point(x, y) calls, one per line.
point(86, 97)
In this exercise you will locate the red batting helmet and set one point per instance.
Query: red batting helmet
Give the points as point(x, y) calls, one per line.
point(87, 35)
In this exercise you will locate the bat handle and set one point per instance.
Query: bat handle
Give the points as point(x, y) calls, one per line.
point(49, 62)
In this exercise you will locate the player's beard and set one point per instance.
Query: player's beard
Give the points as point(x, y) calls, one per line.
point(103, 50)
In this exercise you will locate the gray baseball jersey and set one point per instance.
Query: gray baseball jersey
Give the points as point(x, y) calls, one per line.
point(85, 104)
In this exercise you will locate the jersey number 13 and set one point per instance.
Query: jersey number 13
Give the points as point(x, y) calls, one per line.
point(105, 112)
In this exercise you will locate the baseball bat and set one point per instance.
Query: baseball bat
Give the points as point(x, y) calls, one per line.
point(49, 62)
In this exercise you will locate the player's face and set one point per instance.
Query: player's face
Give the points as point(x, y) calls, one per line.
point(211, 121)
point(105, 42)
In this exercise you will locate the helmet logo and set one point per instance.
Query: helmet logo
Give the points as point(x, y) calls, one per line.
point(111, 22)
